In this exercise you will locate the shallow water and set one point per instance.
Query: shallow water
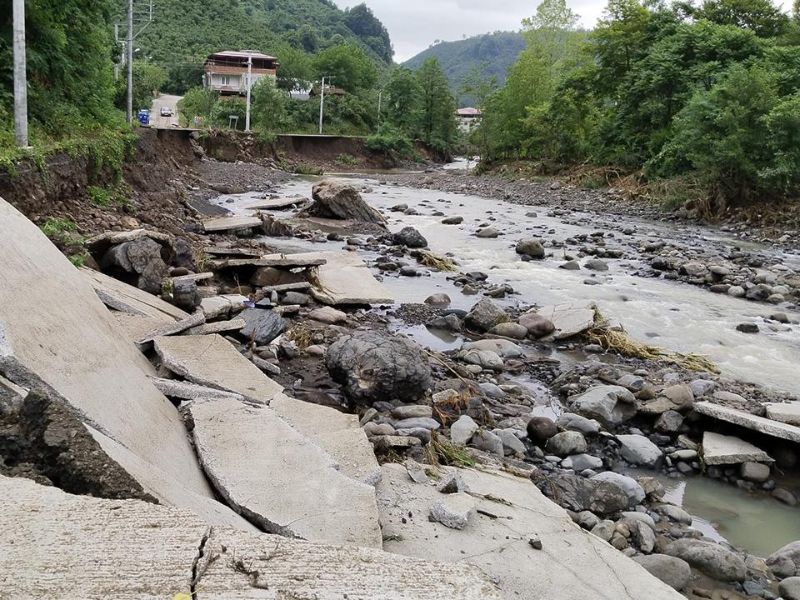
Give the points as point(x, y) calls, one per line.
point(670, 314)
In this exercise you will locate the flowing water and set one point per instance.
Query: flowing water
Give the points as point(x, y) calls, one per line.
point(673, 315)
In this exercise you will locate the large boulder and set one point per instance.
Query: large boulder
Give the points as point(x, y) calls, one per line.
point(261, 325)
point(630, 487)
point(139, 262)
point(485, 315)
point(531, 248)
point(409, 237)
point(673, 571)
point(336, 200)
point(373, 366)
point(610, 404)
point(638, 450)
point(566, 443)
point(578, 494)
point(786, 561)
point(709, 557)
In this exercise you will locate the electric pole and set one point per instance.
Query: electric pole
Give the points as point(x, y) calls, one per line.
point(249, 86)
point(321, 104)
point(129, 42)
point(20, 76)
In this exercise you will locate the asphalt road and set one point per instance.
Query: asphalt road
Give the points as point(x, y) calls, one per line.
point(156, 120)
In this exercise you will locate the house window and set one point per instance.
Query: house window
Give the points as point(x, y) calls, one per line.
point(226, 79)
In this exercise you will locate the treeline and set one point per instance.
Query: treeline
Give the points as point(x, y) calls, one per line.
point(699, 100)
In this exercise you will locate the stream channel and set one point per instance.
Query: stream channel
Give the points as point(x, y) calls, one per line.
point(670, 314)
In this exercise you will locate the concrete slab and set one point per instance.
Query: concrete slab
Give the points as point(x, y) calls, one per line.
point(126, 298)
point(227, 251)
point(280, 479)
point(729, 450)
point(136, 326)
point(55, 333)
point(572, 564)
point(346, 279)
point(338, 433)
point(217, 327)
point(768, 427)
point(785, 412)
point(230, 223)
point(274, 203)
point(55, 545)
point(194, 320)
point(289, 261)
point(184, 390)
point(211, 361)
point(569, 320)
point(222, 306)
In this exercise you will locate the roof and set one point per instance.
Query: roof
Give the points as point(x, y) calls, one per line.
point(468, 112)
point(242, 54)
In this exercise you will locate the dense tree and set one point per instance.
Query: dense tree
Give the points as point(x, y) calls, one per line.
point(148, 79)
point(402, 96)
point(348, 65)
point(361, 21)
point(436, 124)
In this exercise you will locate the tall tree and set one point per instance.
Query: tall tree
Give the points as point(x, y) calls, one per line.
point(437, 121)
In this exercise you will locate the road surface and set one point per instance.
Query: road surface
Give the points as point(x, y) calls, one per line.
point(156, 120)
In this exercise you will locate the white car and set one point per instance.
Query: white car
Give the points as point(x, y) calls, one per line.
point(166, 111)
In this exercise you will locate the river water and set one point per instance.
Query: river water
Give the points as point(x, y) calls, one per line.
point(673, 315)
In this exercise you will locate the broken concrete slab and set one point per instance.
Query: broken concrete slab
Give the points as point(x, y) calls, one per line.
point(768, 427)
point(569, 320)
point(346, 279)
point(338, 433)
point(135, 327)
point(289, 261)
point(729, 450)
point(73, 350)
point(222, 306)
point(56, 545)
point(192, 277)
point(194, 320)
point(572, 565)
point(126, 298)
point(211, 361)
point(229, 251)
point(184, 390)
point(785, 412)
point(230, 223)
point(280, 479)
point(217, 327)
point(105, 240)
point(274, 203)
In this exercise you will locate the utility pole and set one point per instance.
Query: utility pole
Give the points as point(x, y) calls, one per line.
point(380, 102)
point(321, 104)
point(129, 42)
point(20, 76)
point(249, 87)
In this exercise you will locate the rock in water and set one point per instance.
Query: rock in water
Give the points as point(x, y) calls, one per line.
point(578, 493)
point(409, 237)
point(611, 404)
point(334, 200)
point(373, 367)
point(531, 248)
point(485, 315)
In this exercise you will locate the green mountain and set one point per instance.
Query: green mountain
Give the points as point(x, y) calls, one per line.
point(184, 32)
point(492, 54)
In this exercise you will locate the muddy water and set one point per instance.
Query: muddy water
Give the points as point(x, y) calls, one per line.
point(669, 314)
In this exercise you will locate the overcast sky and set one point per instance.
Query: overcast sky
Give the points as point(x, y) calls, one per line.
point(416, 24)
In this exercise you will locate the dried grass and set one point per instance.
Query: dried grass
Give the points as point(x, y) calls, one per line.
point(300, 334)
point(440, 451)
point(620, 343)
point(439, 263)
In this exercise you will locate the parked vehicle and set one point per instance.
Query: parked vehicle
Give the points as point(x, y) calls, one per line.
point(166, 111)
point(143, 116)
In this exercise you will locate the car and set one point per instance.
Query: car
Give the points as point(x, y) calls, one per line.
point(166, 111)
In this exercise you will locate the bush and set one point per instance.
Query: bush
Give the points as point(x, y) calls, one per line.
point(391, 143)
point(197, 103)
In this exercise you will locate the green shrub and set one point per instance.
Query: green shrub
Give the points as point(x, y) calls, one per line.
point(391, 143)
point(346, 159)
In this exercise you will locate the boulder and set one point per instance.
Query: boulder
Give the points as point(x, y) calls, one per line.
point(488, 442)
point(629, 486)
point(503, 348)
point(566, 443)
point(487, 232)
point(328, 315)
point(373, 366)
point(709, 557)
point(581, 462)
point(261, 326)
point(541, 429)
point(578, 423)
point(785, 562)
point(532, 248)
point(336, 200)
point(789, 588)
point(462, 430)
point(753, 471)
point(514, 331)
point(485, 315)
point(611, 404)
point(578, 493)
point(438, 300)
point(595, 264)
point(537, 325)
point(140, 259)
point(639, 450)
point(673, 571)
point(409, 237)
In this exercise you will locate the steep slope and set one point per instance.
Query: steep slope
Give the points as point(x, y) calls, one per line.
point(492, 53)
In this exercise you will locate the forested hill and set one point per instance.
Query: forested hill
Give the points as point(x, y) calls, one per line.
point(185, 31)
point(492, 54)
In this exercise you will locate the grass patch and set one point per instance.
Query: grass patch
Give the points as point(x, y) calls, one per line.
point(107, 197)
point(306, 169)
point(63, 231)
point(441, 451)
point(346, 159)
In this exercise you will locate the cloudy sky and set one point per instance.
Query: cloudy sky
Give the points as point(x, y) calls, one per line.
point(416, 24)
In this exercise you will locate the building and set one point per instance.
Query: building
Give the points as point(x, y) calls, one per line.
point(226, 72)
point(468, 118)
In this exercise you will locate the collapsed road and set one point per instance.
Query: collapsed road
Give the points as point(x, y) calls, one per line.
point(377, 393)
